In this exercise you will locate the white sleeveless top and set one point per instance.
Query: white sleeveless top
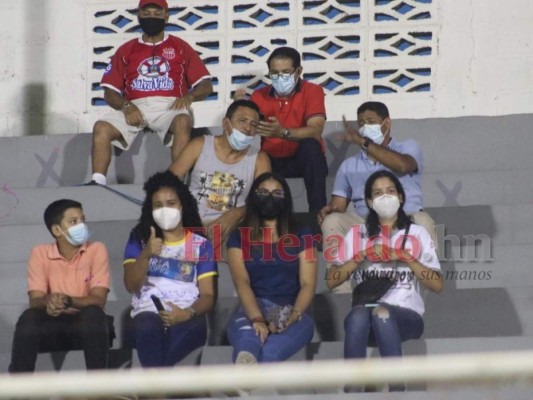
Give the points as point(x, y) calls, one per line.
point(218, 186)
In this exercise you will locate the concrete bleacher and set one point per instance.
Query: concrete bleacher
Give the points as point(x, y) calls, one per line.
point(475, 184)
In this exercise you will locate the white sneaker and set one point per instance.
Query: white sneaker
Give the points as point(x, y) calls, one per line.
point(245, 357)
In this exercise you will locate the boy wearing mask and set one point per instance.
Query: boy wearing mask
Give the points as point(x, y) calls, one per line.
point(68, 283)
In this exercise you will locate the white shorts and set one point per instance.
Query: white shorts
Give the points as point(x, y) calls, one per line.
point(157, 117)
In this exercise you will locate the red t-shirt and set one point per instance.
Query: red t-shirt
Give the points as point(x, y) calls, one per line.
point(307, 101)
point(168, 68)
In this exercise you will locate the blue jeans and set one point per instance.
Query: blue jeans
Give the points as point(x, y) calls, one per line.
point(385, 326)
point(310, 163)
point(157, 348)
point(278, 346)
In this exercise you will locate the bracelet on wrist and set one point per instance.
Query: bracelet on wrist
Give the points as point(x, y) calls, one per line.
point(294, 310)
point(260, 319)
point(126, 105)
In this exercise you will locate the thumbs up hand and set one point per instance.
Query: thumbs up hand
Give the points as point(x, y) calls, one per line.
point(154, 244)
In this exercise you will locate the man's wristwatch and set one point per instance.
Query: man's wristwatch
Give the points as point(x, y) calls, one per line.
point(192, 311)
point(68, 302)
point(287, 134)
point(126, 105)
point(366, 143)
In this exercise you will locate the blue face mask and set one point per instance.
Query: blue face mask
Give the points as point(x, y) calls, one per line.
point(284, 86)
point(239, 141)
point(77, 234)
point(373, 132)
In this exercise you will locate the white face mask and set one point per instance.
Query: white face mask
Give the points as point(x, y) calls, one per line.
point(77, 234)
point(373, 132)
point(238, 140)
point(386, 205)
point(167, 218)
point(284, 86)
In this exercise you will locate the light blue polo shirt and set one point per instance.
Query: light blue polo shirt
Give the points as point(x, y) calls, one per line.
point(354, 171)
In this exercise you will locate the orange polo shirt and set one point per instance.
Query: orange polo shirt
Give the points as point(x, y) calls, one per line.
point(293, 112)
point(50, 272)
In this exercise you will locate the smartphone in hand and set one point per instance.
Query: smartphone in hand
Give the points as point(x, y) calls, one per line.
point(157, 303)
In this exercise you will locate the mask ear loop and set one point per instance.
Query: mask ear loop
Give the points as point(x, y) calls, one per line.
point(388, 130)
point(224, 126)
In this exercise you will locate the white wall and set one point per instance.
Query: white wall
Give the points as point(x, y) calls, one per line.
point(481, 61)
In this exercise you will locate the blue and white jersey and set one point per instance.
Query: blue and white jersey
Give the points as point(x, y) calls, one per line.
point(172, 275)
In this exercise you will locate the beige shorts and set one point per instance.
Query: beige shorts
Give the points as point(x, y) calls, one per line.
point(157, 117)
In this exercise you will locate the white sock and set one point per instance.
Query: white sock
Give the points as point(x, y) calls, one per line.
point(99, 178)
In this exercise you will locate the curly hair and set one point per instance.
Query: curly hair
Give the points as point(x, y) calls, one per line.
point(189, 207)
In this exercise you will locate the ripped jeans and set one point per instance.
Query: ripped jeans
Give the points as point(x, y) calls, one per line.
point(278, 346)
point(384, 326)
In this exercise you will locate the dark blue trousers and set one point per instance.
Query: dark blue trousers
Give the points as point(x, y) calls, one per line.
point(157, 347)
point(310, 163)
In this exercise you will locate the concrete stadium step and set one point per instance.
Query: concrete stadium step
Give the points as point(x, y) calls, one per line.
point(209, 355)
point(422, 346)
point(509, 209)
point(451, 189)
point(75, 360)
point(214, 355)
point(470, 285)
point(465, 266)
point(25, 206)
point(62, 160)
point(455, 313)
point(482, 189)
point(501, 225)
point(472, 188)
point(335, 350)
point(16, 241)
point(470, 143)
point(510, 268)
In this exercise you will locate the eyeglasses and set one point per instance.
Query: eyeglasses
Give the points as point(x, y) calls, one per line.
point(275, 76)
point(278, 193)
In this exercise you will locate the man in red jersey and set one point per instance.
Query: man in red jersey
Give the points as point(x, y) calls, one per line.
point(294, 117)
point(151, 83)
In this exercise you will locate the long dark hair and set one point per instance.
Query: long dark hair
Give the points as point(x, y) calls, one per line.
point(373, 226)
point(189, 207)
point(285, 223)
